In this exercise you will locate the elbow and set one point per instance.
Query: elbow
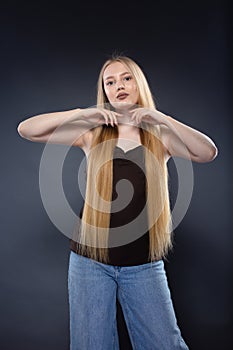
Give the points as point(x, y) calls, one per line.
point(23, 131)
point(214, 152)
point(210, 155)
point(19, 129)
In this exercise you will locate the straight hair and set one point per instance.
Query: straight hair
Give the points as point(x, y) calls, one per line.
point(93, 233)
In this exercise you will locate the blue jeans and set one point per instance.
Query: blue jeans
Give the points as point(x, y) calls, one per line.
point(145, 299)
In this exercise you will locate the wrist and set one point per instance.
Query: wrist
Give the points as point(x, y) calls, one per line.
point(167, 120)
point(78, 113)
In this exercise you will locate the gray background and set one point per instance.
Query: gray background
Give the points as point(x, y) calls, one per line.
point(50, 60)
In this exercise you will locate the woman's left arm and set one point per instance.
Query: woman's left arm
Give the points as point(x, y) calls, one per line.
point(179, 139)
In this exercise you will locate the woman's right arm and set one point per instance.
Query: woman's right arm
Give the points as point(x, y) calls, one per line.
point(70, 127)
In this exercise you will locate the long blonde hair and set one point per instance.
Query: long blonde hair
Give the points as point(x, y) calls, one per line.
point(93, 232)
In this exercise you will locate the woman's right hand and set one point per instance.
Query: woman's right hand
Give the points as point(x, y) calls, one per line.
point(98, 116)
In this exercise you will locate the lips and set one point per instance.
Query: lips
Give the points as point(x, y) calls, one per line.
point(122, 96)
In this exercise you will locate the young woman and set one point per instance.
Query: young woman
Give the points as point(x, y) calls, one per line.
point(119, 253)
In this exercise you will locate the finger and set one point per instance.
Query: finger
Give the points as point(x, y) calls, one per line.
point(119, 115)
point(109, 114)
point(109, 118)
point(138, 119)
point(133, 110)
point(105, 117)
point(133, 115)
point(112, 118)
point(115, 118)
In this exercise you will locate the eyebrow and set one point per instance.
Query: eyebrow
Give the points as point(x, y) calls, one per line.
point(111, 76)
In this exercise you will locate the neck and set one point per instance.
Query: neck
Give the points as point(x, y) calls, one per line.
point(125, 124)
point(127, 129)
point(127, 134)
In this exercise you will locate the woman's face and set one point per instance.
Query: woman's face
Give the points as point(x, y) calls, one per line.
point(120, 86)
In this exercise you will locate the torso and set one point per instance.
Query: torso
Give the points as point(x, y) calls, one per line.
point(128, 148)
point(128, 235)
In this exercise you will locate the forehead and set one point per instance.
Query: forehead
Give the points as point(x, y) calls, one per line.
point(114, 69)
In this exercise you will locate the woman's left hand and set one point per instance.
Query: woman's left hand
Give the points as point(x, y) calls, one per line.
point(148, 115)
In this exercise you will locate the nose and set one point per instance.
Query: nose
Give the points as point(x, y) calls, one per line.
point(120, 85)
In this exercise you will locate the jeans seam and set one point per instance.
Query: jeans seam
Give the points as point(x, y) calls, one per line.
point(115, 334)
point(125, 307)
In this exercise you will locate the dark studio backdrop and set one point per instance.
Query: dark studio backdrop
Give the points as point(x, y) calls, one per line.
point(51, 54)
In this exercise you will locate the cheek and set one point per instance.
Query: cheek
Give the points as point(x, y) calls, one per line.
point(136, 92)
point(107, 92)
point(134, 88)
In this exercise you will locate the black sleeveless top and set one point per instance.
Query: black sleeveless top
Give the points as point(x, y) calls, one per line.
point(129, 240)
